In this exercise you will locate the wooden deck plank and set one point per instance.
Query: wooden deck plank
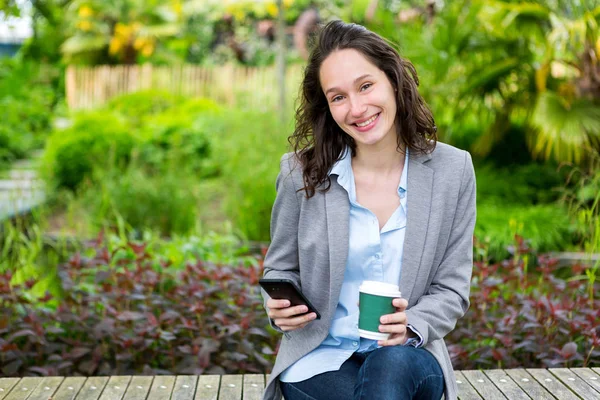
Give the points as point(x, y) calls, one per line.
point(253, 387)
point(465, 390)
point(553, 385)
point(69, 388)
point(231, 387)
point(23, 389)
point(185, 386)
point(138, 388)
point(47, 388)
point(529, 384)
point(162, 387)
point(116, 387)
point(208, 387)
point(92, 388)
point(507, 386)
point(6, 384)
point(576, 384)
point(596, 370)
point(483, 385)
point(589, 376)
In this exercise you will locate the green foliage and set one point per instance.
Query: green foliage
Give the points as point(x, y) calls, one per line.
point(166, 203)
point(249, 153)
point(96, 140)
point(27, 254)
point(522, 200)
point(546, 226)
point(26, 103)
point(135, 106)
point(527, 184)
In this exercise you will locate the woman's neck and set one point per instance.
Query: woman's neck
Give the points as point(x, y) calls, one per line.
point(378, 159)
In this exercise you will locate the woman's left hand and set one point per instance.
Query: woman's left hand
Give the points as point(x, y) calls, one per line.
point(395, 324)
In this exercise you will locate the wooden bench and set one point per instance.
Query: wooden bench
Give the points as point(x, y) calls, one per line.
point(536, 384)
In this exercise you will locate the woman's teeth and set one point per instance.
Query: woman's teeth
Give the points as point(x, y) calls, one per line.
point(367, 122)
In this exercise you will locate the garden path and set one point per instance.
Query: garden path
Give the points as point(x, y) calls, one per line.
point(536, 384)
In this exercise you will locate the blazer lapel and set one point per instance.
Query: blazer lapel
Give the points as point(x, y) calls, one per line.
point(419, 192)
point(337, 208)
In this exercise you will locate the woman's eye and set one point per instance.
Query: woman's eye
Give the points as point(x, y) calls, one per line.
point(366, 86)
point(336, 98)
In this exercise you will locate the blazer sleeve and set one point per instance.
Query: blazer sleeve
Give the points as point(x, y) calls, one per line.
point(435, 314)
point(281, 260)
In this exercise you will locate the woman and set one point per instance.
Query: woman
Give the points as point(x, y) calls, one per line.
point(368, 194)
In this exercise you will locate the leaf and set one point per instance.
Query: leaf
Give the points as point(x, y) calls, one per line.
point(39, 370)
point(169, 315)
point(569, 350)
point(11, 368)
point(130, 316)
point(80, 44)
point(21, 333)
point(565, 130)
point(78, 352)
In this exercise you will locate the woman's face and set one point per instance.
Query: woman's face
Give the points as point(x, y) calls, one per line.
point(361, 98)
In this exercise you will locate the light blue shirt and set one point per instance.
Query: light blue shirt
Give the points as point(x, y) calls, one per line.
point(373, 255)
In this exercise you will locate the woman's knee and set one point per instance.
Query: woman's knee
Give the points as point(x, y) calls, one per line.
point(404, 360)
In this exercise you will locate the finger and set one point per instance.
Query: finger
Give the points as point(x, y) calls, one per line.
point(281, 303)
point(286, 328)
point(393, 328)
point(287, 312)
point(395, 318)
point(400, 303)
point(393, 340)
point(296, 321)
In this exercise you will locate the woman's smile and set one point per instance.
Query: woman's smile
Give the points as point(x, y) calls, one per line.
point(368, 124)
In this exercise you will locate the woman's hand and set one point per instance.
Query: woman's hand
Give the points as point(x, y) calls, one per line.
point(395, 324)
point(288, 318)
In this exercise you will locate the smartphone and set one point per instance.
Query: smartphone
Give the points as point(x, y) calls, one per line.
point(286, 289)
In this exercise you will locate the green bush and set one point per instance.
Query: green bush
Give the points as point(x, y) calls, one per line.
point(166, 203)
point(248, 153)
point(26, 104)
point(95, 141)
point(548, 227)
point(181, 138)
point(527, 184)
point(136, 106)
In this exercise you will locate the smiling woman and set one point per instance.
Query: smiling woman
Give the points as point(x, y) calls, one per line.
point(368, 194)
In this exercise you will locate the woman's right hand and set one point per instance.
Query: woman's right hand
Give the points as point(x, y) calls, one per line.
point(289, 318)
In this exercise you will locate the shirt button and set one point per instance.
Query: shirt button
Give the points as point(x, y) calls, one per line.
point(354, 344)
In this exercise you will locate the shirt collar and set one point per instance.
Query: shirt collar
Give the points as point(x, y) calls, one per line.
point(343, 169)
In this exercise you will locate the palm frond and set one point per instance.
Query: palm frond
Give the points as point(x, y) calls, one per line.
point(565, 131)
point(487, 79)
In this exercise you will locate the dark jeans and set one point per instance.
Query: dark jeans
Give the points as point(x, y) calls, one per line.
point(387, 373)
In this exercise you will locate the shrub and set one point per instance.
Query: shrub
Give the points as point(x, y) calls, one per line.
point(26, 104)
point(181, 139)
point(525, 316)
point(248, 152)
point(548, 227)
point(94, 141)
point(165, 202)
point(138, 105)
point(126, 311)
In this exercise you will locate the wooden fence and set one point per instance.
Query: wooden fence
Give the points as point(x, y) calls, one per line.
point(89, 87)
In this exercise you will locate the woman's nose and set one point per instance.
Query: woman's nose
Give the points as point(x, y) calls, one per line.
point(357, 108)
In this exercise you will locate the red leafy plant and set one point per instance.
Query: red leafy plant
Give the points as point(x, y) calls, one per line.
point(527, 312)
point(125, 311)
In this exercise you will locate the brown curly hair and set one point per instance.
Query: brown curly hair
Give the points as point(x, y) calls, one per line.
point(317, 139)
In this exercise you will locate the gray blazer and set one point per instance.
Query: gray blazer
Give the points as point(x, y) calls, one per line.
point(309, 244)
